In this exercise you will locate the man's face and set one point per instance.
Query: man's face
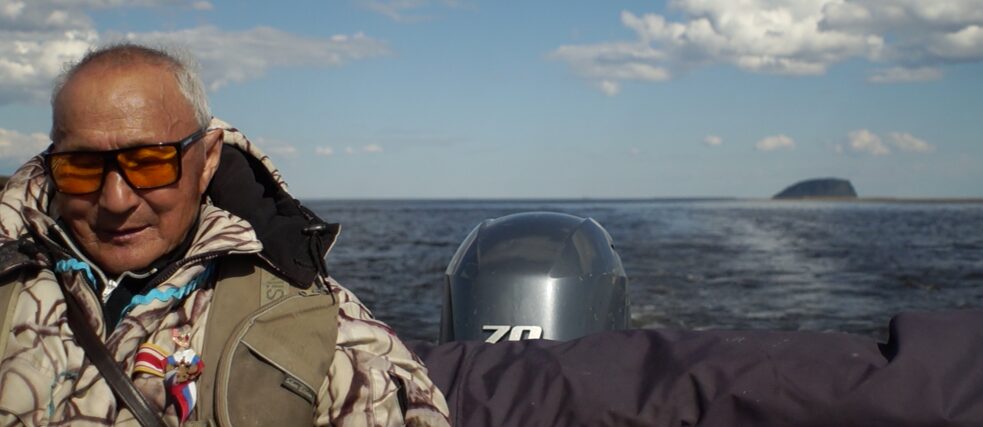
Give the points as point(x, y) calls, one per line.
point(106, 107)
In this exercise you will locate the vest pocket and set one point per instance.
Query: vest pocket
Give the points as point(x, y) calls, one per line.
point(271, 364)
point(256, 394)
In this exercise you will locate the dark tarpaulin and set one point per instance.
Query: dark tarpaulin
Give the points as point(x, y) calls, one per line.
point(929, 373)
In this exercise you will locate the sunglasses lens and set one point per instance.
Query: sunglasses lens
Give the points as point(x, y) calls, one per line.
point(150, 167)
point(77, 173)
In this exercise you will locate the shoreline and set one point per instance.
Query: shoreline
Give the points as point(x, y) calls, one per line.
point(877, 199)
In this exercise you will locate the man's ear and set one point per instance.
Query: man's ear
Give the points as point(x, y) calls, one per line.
point(213, 141)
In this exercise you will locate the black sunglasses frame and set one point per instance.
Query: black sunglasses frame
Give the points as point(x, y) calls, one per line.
point(109, 158)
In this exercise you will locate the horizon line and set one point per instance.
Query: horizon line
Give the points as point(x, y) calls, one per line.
point(870, 199)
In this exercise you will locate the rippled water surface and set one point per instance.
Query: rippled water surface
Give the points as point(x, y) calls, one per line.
point(693, 264)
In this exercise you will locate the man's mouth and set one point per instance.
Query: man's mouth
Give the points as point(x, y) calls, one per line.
point(120, 235)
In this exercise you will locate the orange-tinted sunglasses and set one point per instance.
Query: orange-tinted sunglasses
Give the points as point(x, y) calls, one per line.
point(142, 167)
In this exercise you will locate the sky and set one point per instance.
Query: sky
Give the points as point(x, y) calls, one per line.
point(552, 99)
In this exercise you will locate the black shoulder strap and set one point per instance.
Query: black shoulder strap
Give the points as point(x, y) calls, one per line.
point(99, 355)
point(85, 336)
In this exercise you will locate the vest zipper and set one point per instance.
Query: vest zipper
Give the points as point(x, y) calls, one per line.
point(168, 271)
point(96, 271)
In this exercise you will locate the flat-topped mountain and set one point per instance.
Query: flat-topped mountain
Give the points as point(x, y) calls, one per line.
point(819, 187)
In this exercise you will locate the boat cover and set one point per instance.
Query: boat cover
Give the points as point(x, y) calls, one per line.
point(929, 373)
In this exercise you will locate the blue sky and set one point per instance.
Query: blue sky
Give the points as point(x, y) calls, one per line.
point(461, 98)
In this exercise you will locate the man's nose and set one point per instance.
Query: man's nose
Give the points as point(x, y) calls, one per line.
point(117, 196)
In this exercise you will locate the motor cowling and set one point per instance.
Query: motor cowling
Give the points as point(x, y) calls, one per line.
point(534, 275)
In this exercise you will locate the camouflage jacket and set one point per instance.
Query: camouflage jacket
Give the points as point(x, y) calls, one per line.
point(46, 379)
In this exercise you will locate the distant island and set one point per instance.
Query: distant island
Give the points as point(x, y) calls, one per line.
point(819, 188)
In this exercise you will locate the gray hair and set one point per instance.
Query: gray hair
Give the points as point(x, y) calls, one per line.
point(180, 61)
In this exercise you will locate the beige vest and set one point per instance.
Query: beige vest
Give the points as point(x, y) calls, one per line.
point(270, 339)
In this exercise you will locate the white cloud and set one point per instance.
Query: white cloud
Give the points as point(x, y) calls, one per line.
point(609, 87)
point(29, 62)
point(908, 143)
point(909, 39)
point(405, 137)
point(406, 10)
point(883, 15)
point(396, 9)
point(11, 9)
point(613, 62)
point(634, 151)
point(777, 142)
point(71, 15)
point(713, 140)
point(372, 148)
point(274, 147)
point(323, 151)
point(865, 141)
point(904, 75)
point(282, 150)
point(38, 37)
point(963, 45)
point(922, 32)
point(349, 150)
point(18, 146)
point(41, 16)
point(235, 56)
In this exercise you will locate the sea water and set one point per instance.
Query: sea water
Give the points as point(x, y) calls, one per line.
point(695, 264)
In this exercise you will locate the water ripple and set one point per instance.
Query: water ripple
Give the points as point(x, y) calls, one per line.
point(693, 264)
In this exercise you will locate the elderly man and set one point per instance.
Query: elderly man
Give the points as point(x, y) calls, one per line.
point(155, 270)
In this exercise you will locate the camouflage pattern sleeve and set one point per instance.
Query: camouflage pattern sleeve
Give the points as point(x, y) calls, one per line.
point(370, 365)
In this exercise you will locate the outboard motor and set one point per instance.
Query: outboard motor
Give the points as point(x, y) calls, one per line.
point(534, 275)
